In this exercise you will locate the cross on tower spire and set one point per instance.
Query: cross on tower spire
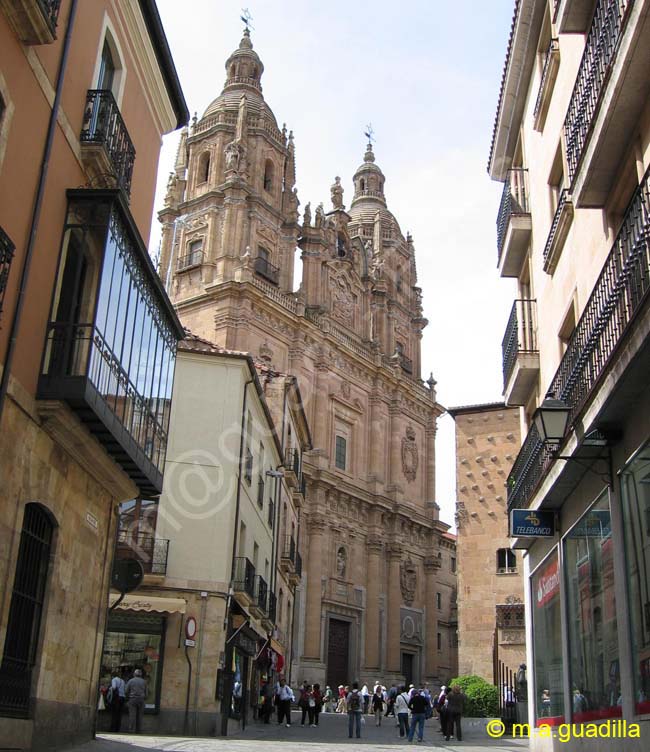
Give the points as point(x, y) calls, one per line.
point(369, 134)
point(246, 17)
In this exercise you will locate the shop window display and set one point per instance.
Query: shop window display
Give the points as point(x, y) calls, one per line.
point(635, 494)
point(591, 615)
point(547, 644)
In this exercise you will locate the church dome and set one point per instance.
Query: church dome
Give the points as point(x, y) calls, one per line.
point(243, 76)
point(368, 184)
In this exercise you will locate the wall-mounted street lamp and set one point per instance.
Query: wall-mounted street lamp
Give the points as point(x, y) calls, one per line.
point(551, 419)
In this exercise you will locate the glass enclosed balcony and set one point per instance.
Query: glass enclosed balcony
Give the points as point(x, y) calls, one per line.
point(111, 341)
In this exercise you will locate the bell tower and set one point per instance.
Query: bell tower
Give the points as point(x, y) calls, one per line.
point(231, 198)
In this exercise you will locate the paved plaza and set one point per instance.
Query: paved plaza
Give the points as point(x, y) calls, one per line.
point(331, 735)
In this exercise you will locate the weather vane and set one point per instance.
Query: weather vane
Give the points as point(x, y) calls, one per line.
point(369, 134)
point(247, 18)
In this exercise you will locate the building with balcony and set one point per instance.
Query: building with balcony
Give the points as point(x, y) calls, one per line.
point(585, 150)
point(490, 574)
point(215, 546)
point(350, 333)
point(87, 338)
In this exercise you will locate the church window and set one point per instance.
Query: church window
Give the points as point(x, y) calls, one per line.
point(362, 184)
point(453, 563)
point(268, 176)
point(204, 167)
point(233, 70)
point(438, 601)
point(398, 280)
point(194, 255)
point(506, 561)
point(341, 453)
point(340, 247)
point(439, 641)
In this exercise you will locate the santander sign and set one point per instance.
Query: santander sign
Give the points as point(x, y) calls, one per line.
point(549, 584)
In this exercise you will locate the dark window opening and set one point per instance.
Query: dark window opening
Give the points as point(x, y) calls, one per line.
point(204, 167)
point(341, 452)
point(506, 561)
point(268, 175)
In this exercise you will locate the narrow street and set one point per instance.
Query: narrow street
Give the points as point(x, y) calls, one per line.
point(329, 736)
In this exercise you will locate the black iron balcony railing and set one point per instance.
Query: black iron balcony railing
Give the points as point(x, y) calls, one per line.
point(550, 241)
point(260, 492)
point(265, 269)
point(514, 201)
point(292, 460)
point(621, 289)
point(7, 249)
point(273, 607)
point(261, 593)
point(271, 515)
point(298, 564)
point(520, 336)
point(195, 258)
point(244, 581)
point(289, 551)
point(600, 49)
point(248, 467)
point(103, 124)
point(150, 551)
point(551, 52)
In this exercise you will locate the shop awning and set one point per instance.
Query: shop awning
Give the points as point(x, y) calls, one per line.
point(279, 649)
point(150, 604)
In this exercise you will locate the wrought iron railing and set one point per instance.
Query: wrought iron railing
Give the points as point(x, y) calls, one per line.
point(271, 515)
point(273, 606)
point(103, 124)
point(261, 593)
point(520, 336)
point(7, 249)
point(244, 581)
point(289, 551)
point(73, 350)
point(265, 269)
point(292, 460)
point(550, 240)
point(514, 201)
point(552, 50)
point(622, 288)
point(189, 260)
point(50, 10)
point(600, 49)
point(15, 688)
point(150, 551)
point(298, 564)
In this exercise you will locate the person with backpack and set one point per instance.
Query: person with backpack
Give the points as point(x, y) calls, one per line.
point(418, 708)
point(402, 710)
point(355, 710)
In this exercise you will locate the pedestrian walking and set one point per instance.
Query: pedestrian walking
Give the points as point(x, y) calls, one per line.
point(305, 703)
point(418, 708)
point(455, 707)
point(378, 705)
point(328, 700)
point(135, 692)
point(116, 697)
point(441, 707)
point(365, 694)
point(390, 703)
point(266, 702)
point(284, 697)
point(316, 707)
point(354, 702)
point(402, 710)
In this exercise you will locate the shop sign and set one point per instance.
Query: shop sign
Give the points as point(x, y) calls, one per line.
point(245, 643)
point(595, 524)
point(537, 524)
point(549, 584)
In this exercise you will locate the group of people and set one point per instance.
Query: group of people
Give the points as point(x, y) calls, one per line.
point(410, 707)
point(131, 693)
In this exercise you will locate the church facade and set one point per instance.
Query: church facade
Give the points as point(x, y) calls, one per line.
point(376, 555)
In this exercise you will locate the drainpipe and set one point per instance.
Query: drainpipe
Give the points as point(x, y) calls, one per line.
point(225, 702)
point(36, 212)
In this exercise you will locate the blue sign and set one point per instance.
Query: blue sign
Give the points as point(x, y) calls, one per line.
point(595, 524)
point(528, 524)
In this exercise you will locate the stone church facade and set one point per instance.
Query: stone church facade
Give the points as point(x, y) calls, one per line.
point(371, 538)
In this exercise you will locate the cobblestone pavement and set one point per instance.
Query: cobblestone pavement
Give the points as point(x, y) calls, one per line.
point(332, 734)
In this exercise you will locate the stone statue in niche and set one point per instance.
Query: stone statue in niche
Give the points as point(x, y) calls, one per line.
point(306, 221)
point(337, 193)
point(410, 456)
point(320, 216)
point(408, 579)
point(341, 563)
point(342, 302)
point(235, 158)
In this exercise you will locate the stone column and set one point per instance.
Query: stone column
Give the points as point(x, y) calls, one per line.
point(320, 415)
point(316, 530)
point(395, 474)
point(430, 459)
point(376, 438)
point(374, 548)
point(393, 656)
point(431, 567)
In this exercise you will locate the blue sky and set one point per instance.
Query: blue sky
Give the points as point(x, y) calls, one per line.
point(427, 75)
